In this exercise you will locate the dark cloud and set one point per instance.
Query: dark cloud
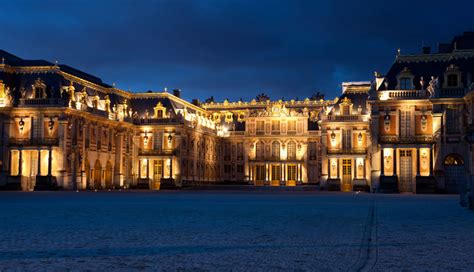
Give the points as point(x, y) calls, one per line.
point(230, 48)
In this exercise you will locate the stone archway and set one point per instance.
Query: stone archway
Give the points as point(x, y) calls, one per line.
point(454, 173)
point(97, 175)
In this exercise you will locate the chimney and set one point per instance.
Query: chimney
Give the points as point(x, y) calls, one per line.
point(177, 93)
point(426, 50)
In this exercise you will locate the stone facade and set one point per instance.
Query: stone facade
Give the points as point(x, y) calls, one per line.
point(410, 130)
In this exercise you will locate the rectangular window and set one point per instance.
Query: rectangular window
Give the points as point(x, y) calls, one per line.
point(227, 151)
point(346, 140)
point(275, 127)
point(452, 121)
point(260, 172)
point(452, 80)
point(291, 127)
point(240, 168)
point(240, 151)
point(260, 127)
point(405, 124)
point(405, 83)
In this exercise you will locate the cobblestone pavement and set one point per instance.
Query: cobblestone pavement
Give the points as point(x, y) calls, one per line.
point(233, 230)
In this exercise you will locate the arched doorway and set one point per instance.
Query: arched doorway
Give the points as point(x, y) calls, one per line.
point(108, 175)
point(97, 174)
point(454, 173)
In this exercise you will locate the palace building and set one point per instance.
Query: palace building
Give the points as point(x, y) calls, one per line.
point(410, 130)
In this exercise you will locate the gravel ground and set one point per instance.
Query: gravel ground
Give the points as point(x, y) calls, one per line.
point(233, 230)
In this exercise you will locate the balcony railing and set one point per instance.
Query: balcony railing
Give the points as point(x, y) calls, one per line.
point(41, 102)
point(406, 139)
point(347, 151)
point(143, 121)
point(452, 92)
point(344, 118)
point(34, 142)
point(156, 152)
point(402, 94)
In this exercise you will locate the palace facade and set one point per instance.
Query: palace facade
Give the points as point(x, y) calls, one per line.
point(410, 130)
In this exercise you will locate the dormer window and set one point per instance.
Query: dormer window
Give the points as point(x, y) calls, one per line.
point(405, 83)
point(452, 80)
point(39, 89)
point(452, 77)
point(405, 80)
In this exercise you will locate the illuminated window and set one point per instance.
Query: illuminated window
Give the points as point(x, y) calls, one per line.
point(260, 175)
point(291, 126)
point(259, 150)
point(405, 83)
point(260, 127)
point(346, 140)
point(276, 150)
point(275, 126)
point(291, 150)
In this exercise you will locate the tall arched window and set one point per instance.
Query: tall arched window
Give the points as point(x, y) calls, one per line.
point(259, 150)
point(291, 149)
point(276, 150)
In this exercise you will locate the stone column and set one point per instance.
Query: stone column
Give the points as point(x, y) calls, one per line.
point(394, 161)
point(139, 168)
point(50, 160)
point(382, 167)
point(431, 160)
point(39, 163)
point(19, 162)
point(417, 161)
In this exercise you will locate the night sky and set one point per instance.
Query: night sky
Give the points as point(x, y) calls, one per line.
point(229, 49)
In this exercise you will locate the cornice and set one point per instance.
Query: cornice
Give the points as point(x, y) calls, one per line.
point(438, 57)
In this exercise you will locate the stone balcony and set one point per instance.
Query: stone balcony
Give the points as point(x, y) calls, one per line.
point(352, 151)
point(33, 142)
point(156, 152)
point(41, 102)
point(416, 139)
point(402, 94)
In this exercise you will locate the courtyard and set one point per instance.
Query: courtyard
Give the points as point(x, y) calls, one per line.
point(233, 230)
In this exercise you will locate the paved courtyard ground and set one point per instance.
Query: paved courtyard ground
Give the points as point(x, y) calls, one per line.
point(233, 230)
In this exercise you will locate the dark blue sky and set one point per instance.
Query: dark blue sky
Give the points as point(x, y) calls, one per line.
point(229, 49)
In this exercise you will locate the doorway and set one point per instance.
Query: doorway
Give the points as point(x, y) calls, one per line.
point(406, 172)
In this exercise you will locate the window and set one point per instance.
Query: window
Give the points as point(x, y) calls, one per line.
point(405, 124)
point(276, 150)
point(259, 150)
point(291, 127)
point(227, 168)
point(452, 121)
point(159, 113)
point(313, 150)
point(260, 127)
point(240, 168)
point(346, 140)
point(291, 150)
point(240, 151)
point(260, 175)
point(405, 83)
point(227, 151)
point(275, 126)
point(452, 80)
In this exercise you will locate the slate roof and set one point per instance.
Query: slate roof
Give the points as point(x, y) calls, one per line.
point(460, 52)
